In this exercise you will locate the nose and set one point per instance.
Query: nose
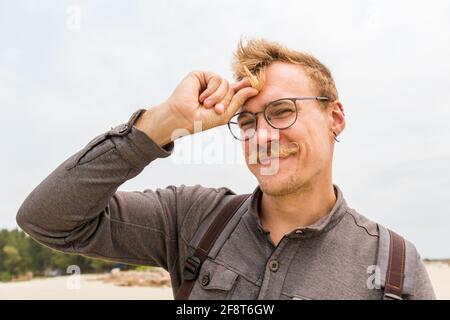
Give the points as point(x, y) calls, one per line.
point(264, 132)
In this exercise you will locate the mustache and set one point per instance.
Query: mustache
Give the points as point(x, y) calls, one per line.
point(273, 150)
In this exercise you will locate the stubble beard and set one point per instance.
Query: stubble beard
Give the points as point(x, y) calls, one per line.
point(282, 188)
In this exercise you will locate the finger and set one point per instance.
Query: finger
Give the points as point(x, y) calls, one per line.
point(213, 82)
point(222, 105)
point(218, 95)
point(245, 82)
point(219, 108)
point(239, 99)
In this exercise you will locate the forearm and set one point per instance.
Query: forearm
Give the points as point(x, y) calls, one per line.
point(76, 192)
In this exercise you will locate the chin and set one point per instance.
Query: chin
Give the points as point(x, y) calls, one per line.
point(279, 185)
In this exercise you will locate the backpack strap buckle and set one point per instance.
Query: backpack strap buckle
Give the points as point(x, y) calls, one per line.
point(191, 268)
point(391, 296)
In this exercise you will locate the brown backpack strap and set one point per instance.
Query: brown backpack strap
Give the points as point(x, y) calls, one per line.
point(193, 263)
point(395, 274)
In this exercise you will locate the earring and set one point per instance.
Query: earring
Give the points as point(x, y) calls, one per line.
point(335, 136)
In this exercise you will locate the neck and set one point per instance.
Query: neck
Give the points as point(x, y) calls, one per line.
point(299, 209)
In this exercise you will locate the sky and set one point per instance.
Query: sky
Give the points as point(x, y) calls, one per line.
point(70, 70)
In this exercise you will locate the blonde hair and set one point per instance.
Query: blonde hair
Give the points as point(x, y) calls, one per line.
point(258, 54)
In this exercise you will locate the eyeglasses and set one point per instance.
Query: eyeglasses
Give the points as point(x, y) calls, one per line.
point(280, 114)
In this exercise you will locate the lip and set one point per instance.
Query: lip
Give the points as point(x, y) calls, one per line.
point(266, 162)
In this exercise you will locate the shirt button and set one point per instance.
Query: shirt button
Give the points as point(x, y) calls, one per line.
point(299, 231)
point(274, 265)
point(205, 280)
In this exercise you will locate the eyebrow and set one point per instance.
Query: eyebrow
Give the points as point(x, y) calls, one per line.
point(241, 109)
point(260, 108)
point(264, 105)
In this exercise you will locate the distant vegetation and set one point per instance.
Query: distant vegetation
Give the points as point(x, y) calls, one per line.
point(22, 257)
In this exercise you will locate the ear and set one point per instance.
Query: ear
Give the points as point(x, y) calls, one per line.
point(337, 117)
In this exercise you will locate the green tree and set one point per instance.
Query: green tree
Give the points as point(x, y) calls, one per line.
point(13, 262)
point(20, 254)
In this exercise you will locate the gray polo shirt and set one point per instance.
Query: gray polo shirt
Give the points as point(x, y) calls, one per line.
point(77, 209)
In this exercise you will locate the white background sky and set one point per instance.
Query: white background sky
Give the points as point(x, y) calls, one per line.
point(61, 85)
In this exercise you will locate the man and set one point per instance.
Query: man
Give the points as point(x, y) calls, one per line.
point(295, 237)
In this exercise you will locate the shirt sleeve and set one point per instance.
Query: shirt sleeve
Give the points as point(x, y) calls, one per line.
point(77, 208)
point(423, 287)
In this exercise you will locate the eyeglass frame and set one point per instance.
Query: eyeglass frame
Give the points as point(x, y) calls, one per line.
point(255, 114)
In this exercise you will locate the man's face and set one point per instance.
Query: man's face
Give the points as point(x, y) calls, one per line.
point(311, 133)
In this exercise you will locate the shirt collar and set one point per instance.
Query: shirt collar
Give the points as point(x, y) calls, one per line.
point(322, 225)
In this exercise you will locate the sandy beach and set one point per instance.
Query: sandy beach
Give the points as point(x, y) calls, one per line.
point(440, 277)
point(90, 287)
point(63, 288)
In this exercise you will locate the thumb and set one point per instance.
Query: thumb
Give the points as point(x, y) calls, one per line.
point(239, 99)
